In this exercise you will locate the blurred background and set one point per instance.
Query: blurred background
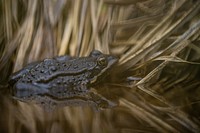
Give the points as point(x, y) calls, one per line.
point(156, 82)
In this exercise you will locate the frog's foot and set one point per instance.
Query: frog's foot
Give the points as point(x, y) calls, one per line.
point(100, 102)
point(96, 101)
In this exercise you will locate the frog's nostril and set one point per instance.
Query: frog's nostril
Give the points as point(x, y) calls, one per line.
point(112, 59)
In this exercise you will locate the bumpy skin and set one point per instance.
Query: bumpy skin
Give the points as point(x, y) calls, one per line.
point(62, 78)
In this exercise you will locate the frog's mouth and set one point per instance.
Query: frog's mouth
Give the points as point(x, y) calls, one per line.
point(112, 60)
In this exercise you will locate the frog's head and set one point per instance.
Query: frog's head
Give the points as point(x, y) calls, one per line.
point(104, 63)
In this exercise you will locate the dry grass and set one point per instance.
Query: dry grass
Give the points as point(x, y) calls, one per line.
point(157, 40)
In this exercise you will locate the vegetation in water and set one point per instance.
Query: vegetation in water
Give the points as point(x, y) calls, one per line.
point(155, 83)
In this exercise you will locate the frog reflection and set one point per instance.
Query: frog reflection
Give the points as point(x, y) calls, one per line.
point(63, 80)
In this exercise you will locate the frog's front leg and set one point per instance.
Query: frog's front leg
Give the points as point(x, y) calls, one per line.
point(100, 101)
point(92, 97)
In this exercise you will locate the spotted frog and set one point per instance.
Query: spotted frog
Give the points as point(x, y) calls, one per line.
point(63, 80)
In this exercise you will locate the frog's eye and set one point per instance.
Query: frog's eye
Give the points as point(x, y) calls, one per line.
point(102, 61)
point(95, 53)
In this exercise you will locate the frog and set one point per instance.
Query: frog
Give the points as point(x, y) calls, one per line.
point(64, 80)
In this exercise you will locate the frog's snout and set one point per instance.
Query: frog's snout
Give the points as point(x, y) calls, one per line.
point(112, 60)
